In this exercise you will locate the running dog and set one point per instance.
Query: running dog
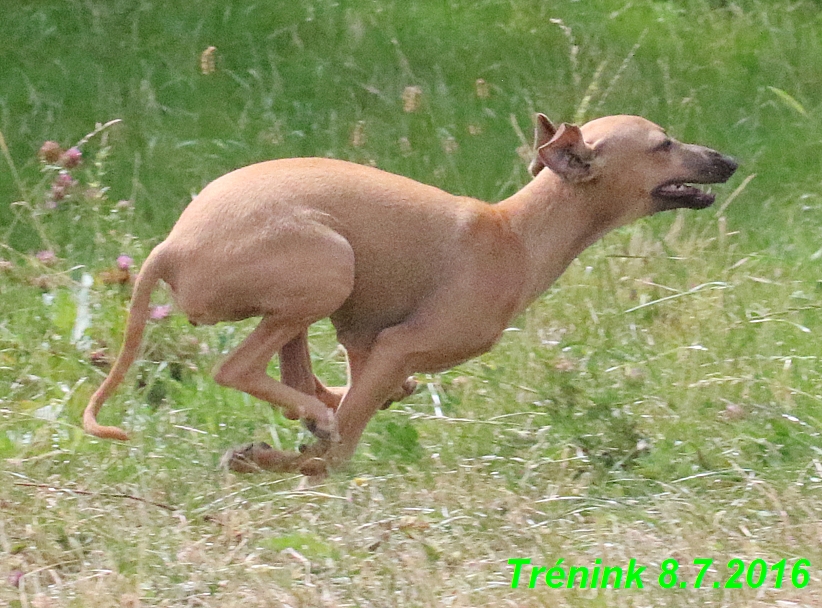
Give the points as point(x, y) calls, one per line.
point(413, 278)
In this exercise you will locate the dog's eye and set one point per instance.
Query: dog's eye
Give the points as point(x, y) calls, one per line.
point(665, 145)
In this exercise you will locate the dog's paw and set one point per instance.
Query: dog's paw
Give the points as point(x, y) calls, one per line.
point(322, 458)
point(241, 460)
point(315, 468)
point(258, 456)
point(406, 390)
point(324, 428)
point(331, 396)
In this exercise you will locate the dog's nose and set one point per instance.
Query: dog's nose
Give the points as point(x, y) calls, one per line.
point(722, 166)
point(731, 164)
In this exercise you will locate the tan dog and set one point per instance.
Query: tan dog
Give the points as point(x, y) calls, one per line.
point(414, 279)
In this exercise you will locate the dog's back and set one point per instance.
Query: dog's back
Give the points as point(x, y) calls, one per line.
point(400, 232)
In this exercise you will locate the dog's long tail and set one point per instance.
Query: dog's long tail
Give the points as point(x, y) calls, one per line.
point(138, 315)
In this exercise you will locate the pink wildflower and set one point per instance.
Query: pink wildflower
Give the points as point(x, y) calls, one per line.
point(71, 158)
point(46, 257)
point(59, 189)
point(15, 577)
point(124, 262)
point(58, 193)
point(65, 180)
point(159, 311)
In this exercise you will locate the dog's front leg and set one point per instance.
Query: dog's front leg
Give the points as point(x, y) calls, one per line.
point(357, 360)
point(377, 380)
point(295, 371)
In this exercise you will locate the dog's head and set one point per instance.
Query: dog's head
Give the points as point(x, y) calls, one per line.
point(630, 163)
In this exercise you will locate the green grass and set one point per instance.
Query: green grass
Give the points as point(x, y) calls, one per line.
point(614, 421)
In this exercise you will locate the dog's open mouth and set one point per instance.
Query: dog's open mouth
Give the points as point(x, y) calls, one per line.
point(680, 194)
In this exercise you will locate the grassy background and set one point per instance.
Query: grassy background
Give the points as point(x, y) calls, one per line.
point(610, 423)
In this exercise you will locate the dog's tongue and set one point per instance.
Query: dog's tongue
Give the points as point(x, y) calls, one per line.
point(685, 194)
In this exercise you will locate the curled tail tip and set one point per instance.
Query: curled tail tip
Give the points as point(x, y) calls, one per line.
point(104, 432)
point(113, 432)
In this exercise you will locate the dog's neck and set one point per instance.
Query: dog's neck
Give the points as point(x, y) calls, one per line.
point(555, 221)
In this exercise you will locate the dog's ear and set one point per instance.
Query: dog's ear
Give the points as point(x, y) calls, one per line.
point(543, 133)
point(567, 155)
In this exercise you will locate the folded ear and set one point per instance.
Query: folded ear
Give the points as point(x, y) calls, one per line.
point(543, 133)
point(567, 155)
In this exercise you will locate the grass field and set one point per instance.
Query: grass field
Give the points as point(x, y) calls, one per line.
point(662, 401)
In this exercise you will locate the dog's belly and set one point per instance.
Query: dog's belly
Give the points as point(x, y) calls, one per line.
point(358, 323)
point(433, 352)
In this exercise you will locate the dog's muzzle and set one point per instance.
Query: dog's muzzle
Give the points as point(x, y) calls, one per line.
point(712, 168)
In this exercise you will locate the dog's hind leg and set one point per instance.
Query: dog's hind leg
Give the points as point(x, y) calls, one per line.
point(245, 370)
point(295, 371)
point(295, 364)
